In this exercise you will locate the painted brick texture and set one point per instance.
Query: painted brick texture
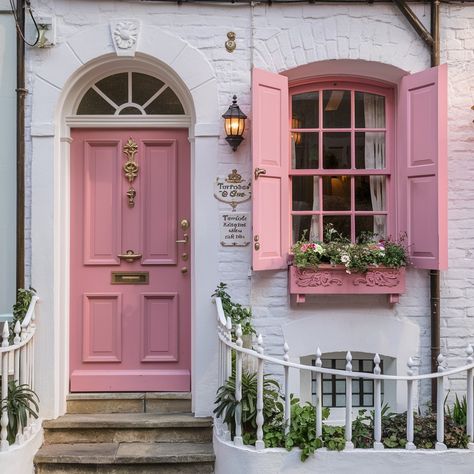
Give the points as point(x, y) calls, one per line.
point(281, 37)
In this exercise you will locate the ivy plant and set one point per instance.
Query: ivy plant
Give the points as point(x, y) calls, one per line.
point(20, 308)
point(237, 313)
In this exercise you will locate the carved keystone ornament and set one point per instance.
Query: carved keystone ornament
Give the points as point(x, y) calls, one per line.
point(125, 36)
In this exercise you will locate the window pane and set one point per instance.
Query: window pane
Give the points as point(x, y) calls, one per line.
point(340, 386)
point(337, 109)
point(340, 364)
point(93, 104)
point(327, 364)
point(369, 110)
point(370, 150)
point(368, 400)
point(340, 400)
point(373, 224)
point(368, 386)
point(327, 400)
point(130, 111)
point(144, 86)
point(305, 193)
point(337, 150)
point(307, 227)
point(355, 386)
point(367, 366)
point(336, 193)
point(327, 386)
point(167, 103)
point(370, 193)
point(355, 400)
point(305, 110)
point(304, 150)
point(341, 223)
point(115, 87)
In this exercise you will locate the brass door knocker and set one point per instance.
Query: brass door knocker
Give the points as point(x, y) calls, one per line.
point(130, 169)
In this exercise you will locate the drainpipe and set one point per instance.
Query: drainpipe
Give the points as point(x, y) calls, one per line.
point(20, 147)
point(435, 274)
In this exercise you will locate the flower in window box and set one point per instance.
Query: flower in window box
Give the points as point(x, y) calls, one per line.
point(366, 253)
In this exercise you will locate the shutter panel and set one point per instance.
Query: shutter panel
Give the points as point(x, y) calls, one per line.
point(422, 166)
point(270, 149)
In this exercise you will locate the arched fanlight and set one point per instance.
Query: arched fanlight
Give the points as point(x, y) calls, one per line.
point(234, 124)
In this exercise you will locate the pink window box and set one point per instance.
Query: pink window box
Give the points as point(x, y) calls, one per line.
point(333, 280)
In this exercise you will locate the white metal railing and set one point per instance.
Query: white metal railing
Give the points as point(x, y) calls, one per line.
point(227, 346)
point(17, 362)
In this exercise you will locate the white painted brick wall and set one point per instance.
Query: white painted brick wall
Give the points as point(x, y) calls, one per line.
point(285, 36)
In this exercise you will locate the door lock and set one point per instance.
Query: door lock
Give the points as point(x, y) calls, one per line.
point(184, 224)
point(184, 270)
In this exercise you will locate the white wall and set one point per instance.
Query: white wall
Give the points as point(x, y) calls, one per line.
point(284, 37)
point(7, 159)
point(231, 460)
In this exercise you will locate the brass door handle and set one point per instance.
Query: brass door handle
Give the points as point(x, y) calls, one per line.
point(184, 241)
point(129, 256)
point(259, 171)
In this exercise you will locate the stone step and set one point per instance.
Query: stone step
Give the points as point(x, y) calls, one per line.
point(120, 458)
point(127, 427)
point(142, 402)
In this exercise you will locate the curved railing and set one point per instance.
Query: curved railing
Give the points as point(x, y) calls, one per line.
point(227, 347)
point(17, 363)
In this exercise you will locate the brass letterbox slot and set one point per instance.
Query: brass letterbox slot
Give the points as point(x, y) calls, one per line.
point(129, 278)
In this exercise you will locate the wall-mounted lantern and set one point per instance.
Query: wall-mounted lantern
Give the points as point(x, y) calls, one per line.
point(234, 124)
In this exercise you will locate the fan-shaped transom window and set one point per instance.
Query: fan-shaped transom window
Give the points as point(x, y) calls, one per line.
point(130, 93)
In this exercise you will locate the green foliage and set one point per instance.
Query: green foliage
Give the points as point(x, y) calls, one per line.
point(20, 308)
point(226, 402)
point(356, 257)
point(21, 401)
point(394, 427)
point(303, 429)
point(237, 313)
point(458, 412)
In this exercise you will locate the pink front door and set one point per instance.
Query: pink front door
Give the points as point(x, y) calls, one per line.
point(130, 314)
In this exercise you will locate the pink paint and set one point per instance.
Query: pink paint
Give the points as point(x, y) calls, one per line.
point(334, 280)
point(270, 148)
point(422, 166)
point(129, 337)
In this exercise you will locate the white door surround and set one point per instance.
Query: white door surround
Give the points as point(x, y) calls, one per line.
point(59, 83)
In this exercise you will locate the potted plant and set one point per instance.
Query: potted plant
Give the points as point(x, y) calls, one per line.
point(339, 266)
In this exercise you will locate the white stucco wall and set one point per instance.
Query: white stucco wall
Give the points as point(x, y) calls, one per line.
point(231, 460)
point(277, 38)
point(7, 159)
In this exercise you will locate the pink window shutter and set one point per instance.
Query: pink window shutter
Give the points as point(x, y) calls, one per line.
point(270, 149)
point(422, 166)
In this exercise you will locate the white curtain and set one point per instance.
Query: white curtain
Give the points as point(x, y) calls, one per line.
point(374, 111)
point(314, 231)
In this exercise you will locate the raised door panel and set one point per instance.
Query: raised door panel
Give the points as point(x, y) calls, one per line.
point(102, 328)
point(102, 203)
point(160, 202)
point(159, 327)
